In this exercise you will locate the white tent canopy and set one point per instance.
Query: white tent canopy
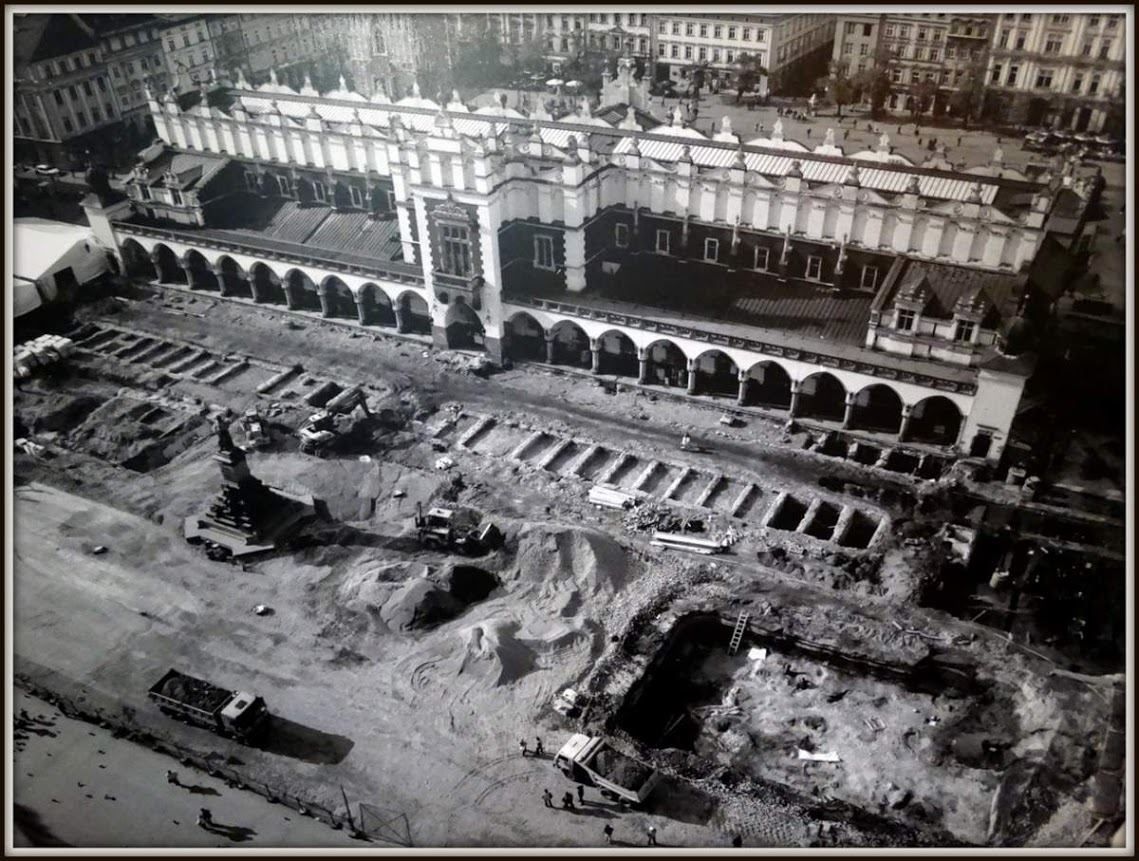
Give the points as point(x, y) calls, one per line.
point(45, 250)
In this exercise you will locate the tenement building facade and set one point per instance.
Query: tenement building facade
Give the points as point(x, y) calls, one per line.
point(855, 290)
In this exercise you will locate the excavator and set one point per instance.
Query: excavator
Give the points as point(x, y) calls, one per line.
point(320, 430)
point(442, 529)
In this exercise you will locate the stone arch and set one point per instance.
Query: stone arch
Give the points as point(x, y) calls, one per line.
point(616, 354)
point(877, 407)
point(232, 278)
point(569, 345)
point(336, 299)
point(464, 328)
point(199, 272)
point(527, 338)
point(768, 385)
point(665, 364)
point(374, 306)
point(266, 284)
point(137, 261)
point(822, 396)
point(936, 420)
point(300, 291)
point(412, 313)
point(167, 264)
point(716, 374)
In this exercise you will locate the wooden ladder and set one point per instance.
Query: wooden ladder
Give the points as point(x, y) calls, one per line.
point(738, 632)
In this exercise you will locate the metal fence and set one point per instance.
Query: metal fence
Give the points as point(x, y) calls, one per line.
point(371, 823)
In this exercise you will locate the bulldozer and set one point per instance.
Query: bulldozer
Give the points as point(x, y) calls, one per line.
point(443, 529)
point(256, 434)
point(321, 430)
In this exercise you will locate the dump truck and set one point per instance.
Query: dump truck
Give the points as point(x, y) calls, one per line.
point(320, 430)
point(592, 761)
point(443, 529)
point(235, 714)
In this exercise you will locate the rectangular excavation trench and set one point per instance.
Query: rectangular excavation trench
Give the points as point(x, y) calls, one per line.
point(724, 494)
point(658, 480)
point(901, 461)
point(99, 340)
point(861, 530)
point(867, 455)
point(595, 464)
point(812, 696)
point(497, 441)
point(569, 450)
point(626, 472)
point(789, 514)
point(690, 487)
point(533, 450)
point(823, 523)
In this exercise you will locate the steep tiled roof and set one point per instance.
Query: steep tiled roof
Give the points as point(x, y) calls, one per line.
point(39, 37)
point(193, 170)
point(947, 284)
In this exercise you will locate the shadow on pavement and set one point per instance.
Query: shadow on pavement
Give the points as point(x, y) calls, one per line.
point(202, 790)
point(288, 738)
point(30, 830)
point(235, 833)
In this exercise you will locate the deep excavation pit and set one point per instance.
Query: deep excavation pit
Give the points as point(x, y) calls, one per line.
point(921, 740)
point(867, 455)
point(901, 461)
point(823, 523)
point(789, 514)
point(860, 532)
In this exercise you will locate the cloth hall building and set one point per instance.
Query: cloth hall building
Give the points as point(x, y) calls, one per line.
point(853, 289)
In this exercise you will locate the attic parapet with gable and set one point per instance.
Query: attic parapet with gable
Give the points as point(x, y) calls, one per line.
point(534, 166)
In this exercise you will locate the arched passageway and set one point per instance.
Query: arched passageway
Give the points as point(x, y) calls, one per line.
point(821, 396)
point(569, 345)
point(137, 261)
point(768, 385)
point(267, 287)
point(199, 272)
point(716, 374)
point(233, 279)
point(374, 306)
point(616, 354)
point(169, 267)
point(300, 292)
point(336, 299)
point(413, 314)
point(464, 328)
point(876, 408)
point(665, 365)
point(527, 339)
point(935, 420)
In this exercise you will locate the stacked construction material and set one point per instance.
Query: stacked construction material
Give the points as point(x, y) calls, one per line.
point(677, 541)
point(609, 496)
point(39, 353)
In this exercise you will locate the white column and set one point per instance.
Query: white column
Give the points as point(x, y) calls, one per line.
point(575, 260)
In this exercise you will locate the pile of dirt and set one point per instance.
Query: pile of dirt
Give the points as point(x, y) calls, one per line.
point(493, 652)
point(419, 604)
point(404, 597)
point(568, 565)
point(368, 589)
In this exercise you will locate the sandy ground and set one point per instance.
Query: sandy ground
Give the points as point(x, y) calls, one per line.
point(80, 785)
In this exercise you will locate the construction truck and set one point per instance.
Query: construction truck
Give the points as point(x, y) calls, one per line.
point(592, 761)
point(229, 713)
point(443, 529)
point(320, 430)
point(253, 426)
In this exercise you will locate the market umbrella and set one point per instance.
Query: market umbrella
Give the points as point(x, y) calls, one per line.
point(573, 83)
point(555, 82)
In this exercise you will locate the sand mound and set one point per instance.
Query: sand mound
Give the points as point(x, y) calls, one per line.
point(368, 589)
point(569, 565)
point(493, 652)
point(419, 604)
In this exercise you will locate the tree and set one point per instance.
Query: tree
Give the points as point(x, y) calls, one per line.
point(839, 86)
point(749, 72)
point(966, 100)
point(875, 84)
point(479, 63)
point(922, 95)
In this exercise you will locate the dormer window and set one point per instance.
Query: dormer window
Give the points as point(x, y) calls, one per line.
point(869, 277)
point(175, 197)
point(251, 182)
point(964, 332)
point(283, 185)
point(662, 241)
point(144, 191)
point(904, 320)
point(711, 250)
point(621, 235)
point(319, 191)
point(814, 267)
point(357, 198)
point(543, 252)
point(761, 257)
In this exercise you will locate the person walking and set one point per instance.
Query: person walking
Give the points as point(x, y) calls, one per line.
point(172, 777)
point(567, 801)
point(580, 794)
point(538, 749)
point(608, 831)
point(205, 819)
point(652, 833)
point(522, 746)
point(547, 798)
point(958, 140)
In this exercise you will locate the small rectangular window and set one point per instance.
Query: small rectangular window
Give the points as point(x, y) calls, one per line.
point(251, 182)
point(814, 267)
point(390, 196)
point(662, 241)
point(544, 252)
point(621, 235)
point(176, 196)
point(712, 250)
point(357, 197)
point(144, 191)
point(964, 331)
point(904, 320)
point(283, 185)
point(318, 191)
point(869, 277)
point(703, 31)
